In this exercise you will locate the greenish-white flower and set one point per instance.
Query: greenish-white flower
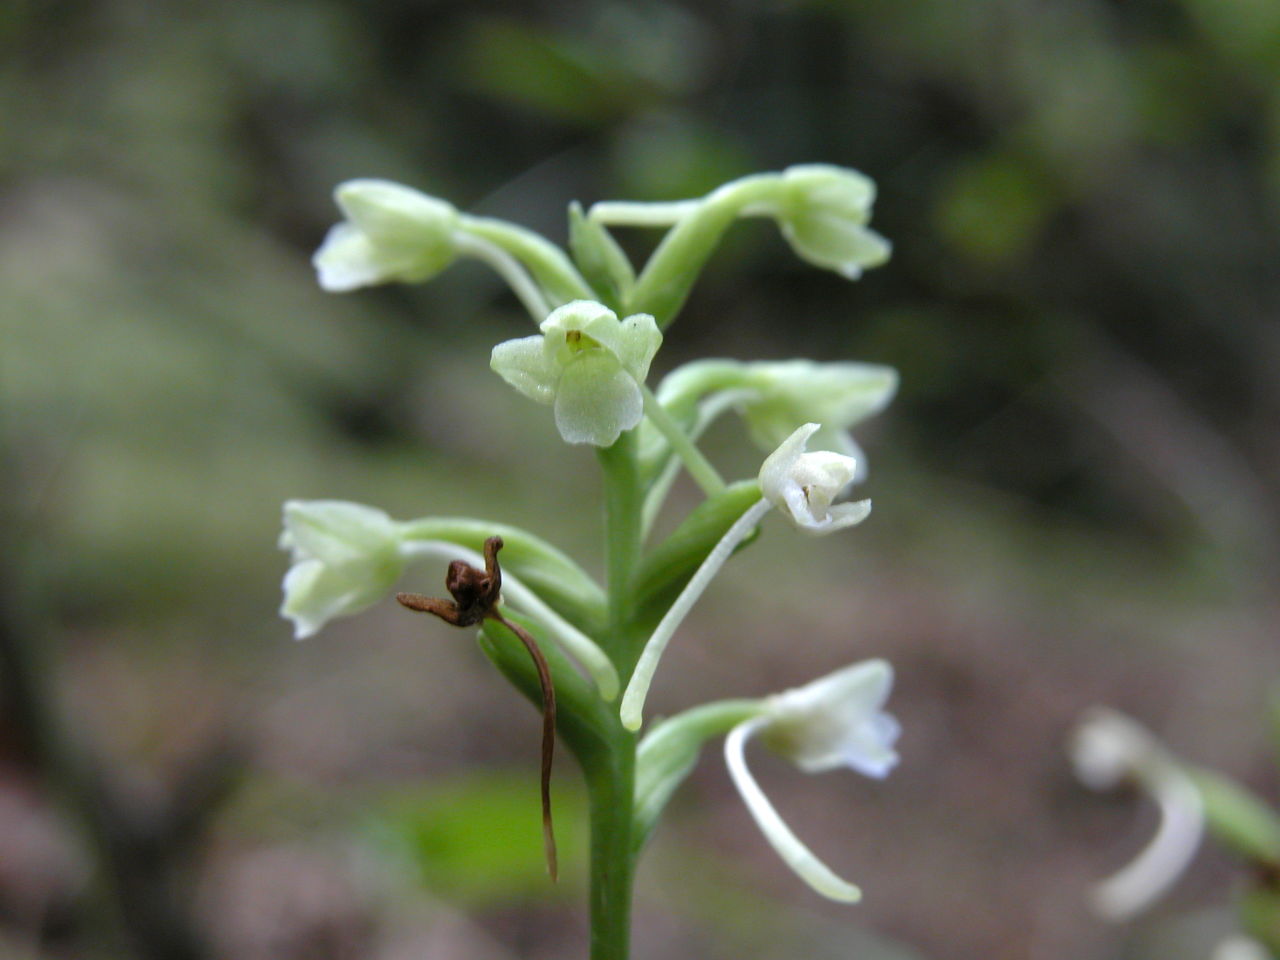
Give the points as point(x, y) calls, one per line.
point(346, 557)
point(786, 394)
point(835, 721)
point(391, 233)
point(823, 211)
point(588, 365)
point(803, 485)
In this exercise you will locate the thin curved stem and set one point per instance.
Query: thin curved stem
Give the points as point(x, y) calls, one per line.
point(626, 213)
point(510, 269)
point(548, 738)
point(632, 711)
point(1166, 857)
point(708, 412)
point(699, 467)
point(551, 267)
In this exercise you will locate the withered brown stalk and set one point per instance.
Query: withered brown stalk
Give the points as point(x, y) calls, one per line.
point(476, 594)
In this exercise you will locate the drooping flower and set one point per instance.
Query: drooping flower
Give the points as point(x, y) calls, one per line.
point(346, 557)
point(823, 213)
point(835, 721)
point(588, 365)
point(391, 233)
point(802, 485)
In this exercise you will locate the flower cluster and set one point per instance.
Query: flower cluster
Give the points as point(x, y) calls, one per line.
point(600, 326)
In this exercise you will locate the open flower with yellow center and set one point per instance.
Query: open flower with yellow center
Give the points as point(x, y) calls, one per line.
point(588, 365)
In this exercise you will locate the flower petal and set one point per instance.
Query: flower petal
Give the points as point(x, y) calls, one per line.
point(346, 260)
point(524, 364)
point(315, 593)
point(596, 400)
point(336, 531)
point(787, 845)
point(639, 340)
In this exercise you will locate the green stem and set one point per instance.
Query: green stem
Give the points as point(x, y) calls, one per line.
point(660, 486)
point(625, 213)
point(510, 270)
point(611, 781)
point(623, 507)
point(550, 265)
point(667, 278)
point(612, 796)
point(699, 467)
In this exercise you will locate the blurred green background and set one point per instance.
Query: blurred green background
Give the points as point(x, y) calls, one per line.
point(1076, 490)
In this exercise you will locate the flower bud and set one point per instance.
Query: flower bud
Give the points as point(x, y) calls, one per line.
point(788, 393)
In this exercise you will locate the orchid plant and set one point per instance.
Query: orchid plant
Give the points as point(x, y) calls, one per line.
point(587, 654)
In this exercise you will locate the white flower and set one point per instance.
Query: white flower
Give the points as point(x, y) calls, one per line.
point(832, 722)
point(391, 233)
point(803, 485)
point(1107, 748)
point(787, 393)
point(588, 365)
point(823, 214)
point(346, 557)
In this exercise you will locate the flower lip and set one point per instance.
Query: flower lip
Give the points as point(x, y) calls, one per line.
point(802, 485)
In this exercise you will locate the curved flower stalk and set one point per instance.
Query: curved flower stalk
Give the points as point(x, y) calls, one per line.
point(835, 721)
point(346, 557)
point(1108, 748)
point(822, 211)
point(803, 487)
point(589, 365)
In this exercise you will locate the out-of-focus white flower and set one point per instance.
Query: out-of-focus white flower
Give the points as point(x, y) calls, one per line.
point(835, 721)
point(803, 485)
point(391, 233)
point(1241, 948)
point(1107, 748)
point(346, 556)
point(588, 365)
